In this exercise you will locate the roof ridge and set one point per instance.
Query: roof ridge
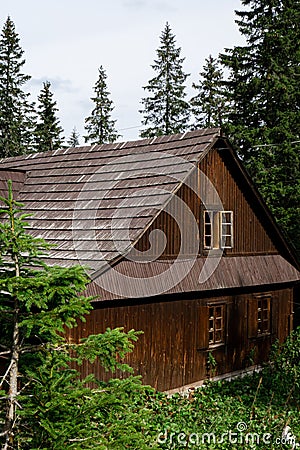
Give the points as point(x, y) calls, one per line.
point(117, 145)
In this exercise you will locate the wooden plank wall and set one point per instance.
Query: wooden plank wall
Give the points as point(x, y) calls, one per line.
point(171, 352)
point(250, 236)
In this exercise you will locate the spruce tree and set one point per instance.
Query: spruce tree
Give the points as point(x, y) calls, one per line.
point(43, 401)
point(264, 97)
point(73, 140)
point(208, 105)
point(16, 112)
point(100, 126)
point(166, 110)
point(48, 129)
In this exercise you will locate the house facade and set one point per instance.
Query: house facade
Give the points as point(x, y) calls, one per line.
point(177, 243)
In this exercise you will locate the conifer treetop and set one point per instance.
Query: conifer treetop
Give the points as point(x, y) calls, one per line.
point(207, 106)
point(48, 130)
point(16, 112)
point(165, 110)
point(73, 140)
point(99, 125)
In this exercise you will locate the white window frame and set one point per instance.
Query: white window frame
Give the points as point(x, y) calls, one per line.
point(264, 304)
point(216, 324)
point(227, 225)
point(217, 230)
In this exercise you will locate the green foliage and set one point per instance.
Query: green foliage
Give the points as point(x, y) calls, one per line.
point(16, 113)
point(211, 364)
point(166, 111)
point(60, 411)
point(73, 140)
point(100, 126)
point(43, 401)
point(283, 372)
point(108, 348)
point(207, 106)
point(48, 130)
point(56, 408)
point(262, 403)
point(263, 119)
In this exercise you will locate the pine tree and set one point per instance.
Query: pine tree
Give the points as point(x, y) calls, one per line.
point(166, 111)
point(264, 96)
point(208, 105)
point(48, 130)
point(43, 401)
point(100, 126)
point(16, 112)
point(73, 140)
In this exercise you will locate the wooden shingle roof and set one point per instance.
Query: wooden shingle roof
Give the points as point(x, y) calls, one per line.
point(95, 202)
point(104, 192)
point(16, 176)
point(131, 279)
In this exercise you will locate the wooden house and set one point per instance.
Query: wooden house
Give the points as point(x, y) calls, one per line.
point(179, 244)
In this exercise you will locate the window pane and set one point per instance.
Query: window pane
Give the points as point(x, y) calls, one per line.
point(207, 217)
point(216, 324)
point(264, 314)
point(227, 217)
point(228, 241)
point(207, 242)
point(259, 304)
point(207, 230)
point(265, 326)
point(218, 336)
point(226, 231)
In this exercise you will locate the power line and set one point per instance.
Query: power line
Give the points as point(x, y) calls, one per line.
point(130, 128)
point(274, 145)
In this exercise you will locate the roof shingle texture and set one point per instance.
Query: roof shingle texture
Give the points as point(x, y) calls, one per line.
point(92, 203)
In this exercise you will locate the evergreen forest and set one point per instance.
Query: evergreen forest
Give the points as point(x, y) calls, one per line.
point(252, 92)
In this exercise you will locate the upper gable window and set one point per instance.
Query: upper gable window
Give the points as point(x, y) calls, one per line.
point(218, 229)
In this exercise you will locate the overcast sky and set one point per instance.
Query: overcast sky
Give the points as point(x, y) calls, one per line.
point(65, 41)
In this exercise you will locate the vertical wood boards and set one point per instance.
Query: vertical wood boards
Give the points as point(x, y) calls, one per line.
point(173, 349)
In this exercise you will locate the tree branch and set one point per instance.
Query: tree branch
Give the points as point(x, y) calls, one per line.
point(6, 373)
point(4, 346)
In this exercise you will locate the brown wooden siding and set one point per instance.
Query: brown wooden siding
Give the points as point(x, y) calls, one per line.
point(173, 350)
point(169, 221)
point(250, 237)
point(249, 234)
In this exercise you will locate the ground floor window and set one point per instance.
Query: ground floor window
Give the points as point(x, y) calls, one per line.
point(259, 315)
point(216, 324)
point(263, 314)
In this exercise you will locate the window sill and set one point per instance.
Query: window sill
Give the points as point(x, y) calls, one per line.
point(216, 346)
point(261, 336)
point(211, 347)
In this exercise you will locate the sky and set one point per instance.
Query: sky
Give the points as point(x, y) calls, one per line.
point(66, 41)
